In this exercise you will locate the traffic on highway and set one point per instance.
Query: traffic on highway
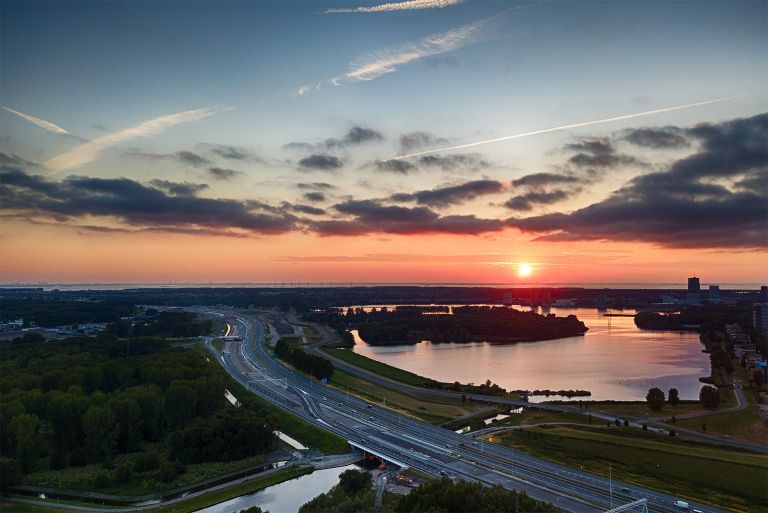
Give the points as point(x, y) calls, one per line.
point(408, 442)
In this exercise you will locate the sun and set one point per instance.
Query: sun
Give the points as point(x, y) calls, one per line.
point(524, 270)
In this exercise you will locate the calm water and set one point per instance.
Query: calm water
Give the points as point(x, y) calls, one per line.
point(286, 497)
point(614, 360)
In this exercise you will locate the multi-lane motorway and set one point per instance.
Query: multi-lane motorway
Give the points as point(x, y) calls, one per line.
point(430, 449)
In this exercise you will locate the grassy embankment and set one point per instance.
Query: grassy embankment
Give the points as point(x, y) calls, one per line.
point(432, 410)
point(721, 476)
point(379, 368)
point(195, 503)
point(744, 425)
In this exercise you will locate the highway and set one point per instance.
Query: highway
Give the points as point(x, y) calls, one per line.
point(430, 449)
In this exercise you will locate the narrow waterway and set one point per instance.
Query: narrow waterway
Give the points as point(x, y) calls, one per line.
point(285, 497)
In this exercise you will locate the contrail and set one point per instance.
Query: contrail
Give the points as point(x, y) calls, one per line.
point(397, 6)
point(573, 125)
point(87, 152)
point(47, 125)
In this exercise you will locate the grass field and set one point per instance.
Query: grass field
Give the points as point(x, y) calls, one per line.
point(218, 344)
point(377, 367)
point(641, 410)
point(744, 425)
point(434, 410)
point(724, 477)
point(195, 503)
point(529, 417)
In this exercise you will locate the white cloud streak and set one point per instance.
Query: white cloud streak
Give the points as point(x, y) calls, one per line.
point(87, 152)
point(410, 5)
point(387, 60)
point(572, 125)
point(47, 125)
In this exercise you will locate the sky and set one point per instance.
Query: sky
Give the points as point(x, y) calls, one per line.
point(422, 141)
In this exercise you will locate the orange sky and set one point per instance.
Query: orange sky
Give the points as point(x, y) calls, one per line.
point(66, 255)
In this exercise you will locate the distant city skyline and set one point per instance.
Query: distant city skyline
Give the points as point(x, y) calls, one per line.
point(622, 142)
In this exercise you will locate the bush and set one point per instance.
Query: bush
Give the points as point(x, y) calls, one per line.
point(168, 472)
point(123, 473)
point(709, 396)
point(101, 480)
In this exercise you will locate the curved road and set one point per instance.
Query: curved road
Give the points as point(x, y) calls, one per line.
point(430, 449)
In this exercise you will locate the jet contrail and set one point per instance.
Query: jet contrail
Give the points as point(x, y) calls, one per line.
point(47, 125)
point(573, 125)
point(87, 152)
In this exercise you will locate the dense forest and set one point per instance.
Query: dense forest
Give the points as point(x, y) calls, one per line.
point(409, 325)
point(317, 366)
point(86, 400)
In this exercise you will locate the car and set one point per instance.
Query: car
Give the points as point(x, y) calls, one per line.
point(371, 418)
point(626, 490)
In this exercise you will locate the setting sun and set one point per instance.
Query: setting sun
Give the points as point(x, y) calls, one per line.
point(524, 270)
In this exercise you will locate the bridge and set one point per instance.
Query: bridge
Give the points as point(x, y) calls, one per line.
point(380, 455)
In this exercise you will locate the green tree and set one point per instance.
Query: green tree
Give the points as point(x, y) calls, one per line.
point(655, 398)
point(353, 481)
point(10, 473)
point(674, 397)
point(709, 396)
point(758, 378)
point(24, 429)
point(100, 432)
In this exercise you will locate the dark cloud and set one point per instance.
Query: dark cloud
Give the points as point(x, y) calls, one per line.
point(754, 182)
point(134, 204)
point(184, 157)
point(453, 162)
point(316, 186)
point(528, 200)
point(543, 179)
point(193, 159)
point(314, 196)
point(355, 135)
point(371, 217)
point(600, 146)
point(299, 146)
point(452, 195)
point(683, 207)
point(598, 153)
point(394, 166)
point(179, 188)
point(231, 152)
point(220, 173)
point(11, 160)
point(321, 161)
point(418, 140)
point(304, 209)
point(657, 138)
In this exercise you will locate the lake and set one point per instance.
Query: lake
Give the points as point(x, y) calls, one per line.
point(613, 360)
point(285, 497)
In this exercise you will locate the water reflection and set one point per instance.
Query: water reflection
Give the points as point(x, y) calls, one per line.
point(614, 360)
point(286, 497)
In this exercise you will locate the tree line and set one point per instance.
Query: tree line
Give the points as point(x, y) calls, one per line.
point(410, 325)
point(317, 366)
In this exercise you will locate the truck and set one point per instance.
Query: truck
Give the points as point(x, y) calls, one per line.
point(681, 505)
